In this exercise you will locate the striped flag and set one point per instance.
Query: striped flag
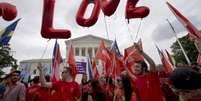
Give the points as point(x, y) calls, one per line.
point(56, 61)
point(6, 34)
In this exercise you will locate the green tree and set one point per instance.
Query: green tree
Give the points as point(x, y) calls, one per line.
point(189, 48)
point(6, 59)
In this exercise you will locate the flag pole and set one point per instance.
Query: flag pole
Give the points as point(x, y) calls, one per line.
point(185, 55)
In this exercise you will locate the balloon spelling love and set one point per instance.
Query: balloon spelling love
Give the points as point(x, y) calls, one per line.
point(107, 6)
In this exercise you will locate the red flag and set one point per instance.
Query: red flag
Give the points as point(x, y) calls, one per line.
point(118, 66)
point(105, 56)
point(95, 70)
point(131, 56)
point(71, 61)
point(57, 59)
point(194, 32)
point(169, 57)
point(117, 60)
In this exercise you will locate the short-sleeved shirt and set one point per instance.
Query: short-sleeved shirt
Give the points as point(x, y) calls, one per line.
point(66, 91)
point(37, 93)
point(15, 92)
point(32, 93)
point(44, 94)
point(148, 87)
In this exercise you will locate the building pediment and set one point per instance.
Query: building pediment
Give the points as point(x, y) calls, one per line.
point(88, 39)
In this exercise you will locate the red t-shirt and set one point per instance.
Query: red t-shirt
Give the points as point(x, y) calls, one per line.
point(44, 94)
point(148, 87)
point(37, 93)
point(66, 91)
point(32, 93)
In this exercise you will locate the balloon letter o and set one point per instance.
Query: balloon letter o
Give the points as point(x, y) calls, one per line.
point(94, 16)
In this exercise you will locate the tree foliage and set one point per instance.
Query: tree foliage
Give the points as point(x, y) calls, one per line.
point(189, 48)
point(6, 59)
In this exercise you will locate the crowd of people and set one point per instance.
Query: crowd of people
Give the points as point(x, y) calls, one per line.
point(148, 84)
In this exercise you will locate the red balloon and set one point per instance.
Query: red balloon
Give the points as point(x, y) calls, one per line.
point(94, 16)
point(135, 12)
point(109, 6)
point(8, 11)
point(47, 30)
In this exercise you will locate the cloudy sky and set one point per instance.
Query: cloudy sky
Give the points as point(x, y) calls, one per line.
point(27, 42)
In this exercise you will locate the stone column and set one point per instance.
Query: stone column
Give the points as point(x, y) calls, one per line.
point(93, 52)
point(80, 51)
point(86, 51)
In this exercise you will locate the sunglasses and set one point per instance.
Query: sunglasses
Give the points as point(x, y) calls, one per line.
point(65, 71)
point(119, 80)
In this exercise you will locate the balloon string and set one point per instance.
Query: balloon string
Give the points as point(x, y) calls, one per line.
point(45, 49)
point(138, 30)
point(129, 31)
point(106, 27)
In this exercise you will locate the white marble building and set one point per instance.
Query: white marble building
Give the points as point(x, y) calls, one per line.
point(83, 46)
point(86, 45)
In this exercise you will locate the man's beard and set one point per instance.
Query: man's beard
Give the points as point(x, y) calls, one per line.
point(14, 81)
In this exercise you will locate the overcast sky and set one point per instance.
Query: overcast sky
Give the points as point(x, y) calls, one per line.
point(27, 42)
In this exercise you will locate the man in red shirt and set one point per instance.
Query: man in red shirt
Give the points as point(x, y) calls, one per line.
point(32, 93)
point(66, 89)
point(146, 82)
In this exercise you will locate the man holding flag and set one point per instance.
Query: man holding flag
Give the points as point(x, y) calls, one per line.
point(146, 82)
point(66, 88)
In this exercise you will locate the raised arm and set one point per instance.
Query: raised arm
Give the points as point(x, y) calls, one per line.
point(129, 73)
point(42, 78)
point(149, 60)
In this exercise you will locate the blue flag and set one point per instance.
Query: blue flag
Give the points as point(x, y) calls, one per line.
point(6, 34)
point(114, 48)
